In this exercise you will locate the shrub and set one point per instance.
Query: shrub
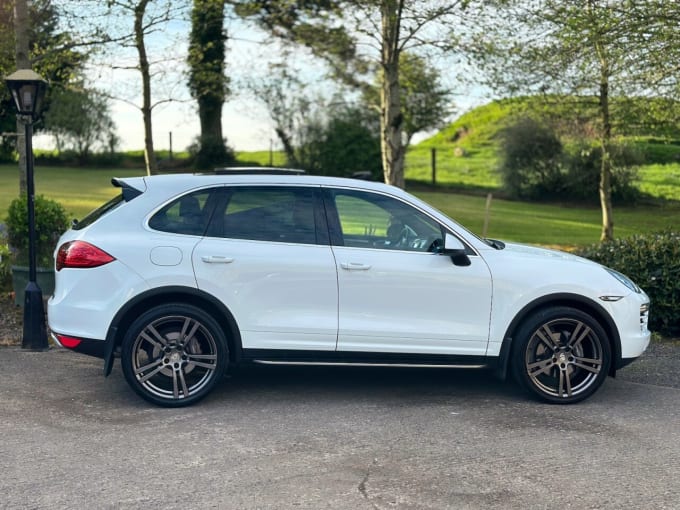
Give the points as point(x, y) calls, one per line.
point(583, 173)
point(653, 262)
point(51, 221)
point(531, 160)
point(5, 268)
point(344, 144)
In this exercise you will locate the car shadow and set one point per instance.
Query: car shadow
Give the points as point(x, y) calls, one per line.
point(348, 383)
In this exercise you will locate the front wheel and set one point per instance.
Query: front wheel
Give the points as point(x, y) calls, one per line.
point(174, 354)
point(562, 355)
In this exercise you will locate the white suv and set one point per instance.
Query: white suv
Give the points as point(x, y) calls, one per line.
point(186, 275)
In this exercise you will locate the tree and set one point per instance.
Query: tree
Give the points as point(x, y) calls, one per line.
point(208, 82)
point(340, 30)
point(586, 48)
point(80, 120)
point(31, 37)
point(148, 17)
point(426, 103)
point(290, 106)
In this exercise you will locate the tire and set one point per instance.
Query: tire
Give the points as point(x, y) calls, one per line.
point(173, 355)
point(561, 355)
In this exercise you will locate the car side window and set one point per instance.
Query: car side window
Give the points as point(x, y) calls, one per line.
point(372, 220)
point(270, 214)
point(189, 214)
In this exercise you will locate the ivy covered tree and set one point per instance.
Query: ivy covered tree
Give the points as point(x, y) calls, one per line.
point(208, 82)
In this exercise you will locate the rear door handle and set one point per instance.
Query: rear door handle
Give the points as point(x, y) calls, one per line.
point(355, 266)
point(216, 259)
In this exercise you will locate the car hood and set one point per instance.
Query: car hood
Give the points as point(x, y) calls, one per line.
point(543, 253)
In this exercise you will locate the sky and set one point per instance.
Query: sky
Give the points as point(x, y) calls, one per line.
point(245, 120)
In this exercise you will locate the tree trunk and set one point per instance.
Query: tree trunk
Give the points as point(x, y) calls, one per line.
point(23, 61)
point(605, 188)
point(210, 116)
point(391, 118)
point(288, 148)
point(149, 153)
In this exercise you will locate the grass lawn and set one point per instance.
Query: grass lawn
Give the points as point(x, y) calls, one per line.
point(548, 224)
point(78, 190)
point(81, 190)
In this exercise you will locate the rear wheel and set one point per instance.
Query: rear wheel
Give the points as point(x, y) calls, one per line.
point(174, 354)
point(562, 355)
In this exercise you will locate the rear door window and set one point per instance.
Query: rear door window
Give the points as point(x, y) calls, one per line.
point(279, 214)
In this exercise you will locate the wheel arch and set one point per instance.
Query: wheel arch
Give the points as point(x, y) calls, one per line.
point(172, 294)
point(576, 301)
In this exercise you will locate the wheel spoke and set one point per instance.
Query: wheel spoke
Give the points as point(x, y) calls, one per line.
point(211, 357)
point(567, 380)
point(147, 367)
point(175, 389)
point(588, 360)
point(539, 367)
point(546, 336)
point(184, 335)
point(150, 374)
point(581, 331)
point(182, 380)
point(203, 365)
point(594, 370)
point(157, 340)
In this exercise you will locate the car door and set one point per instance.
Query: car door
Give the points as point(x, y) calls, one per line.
point(267, 258)
point(396, 293)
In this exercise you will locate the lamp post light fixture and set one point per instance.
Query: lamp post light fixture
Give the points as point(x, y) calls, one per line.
point(28, 90)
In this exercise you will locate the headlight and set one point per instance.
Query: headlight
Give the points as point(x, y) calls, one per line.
point(624, 280)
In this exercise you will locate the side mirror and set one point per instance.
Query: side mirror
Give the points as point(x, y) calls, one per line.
point(454, 248)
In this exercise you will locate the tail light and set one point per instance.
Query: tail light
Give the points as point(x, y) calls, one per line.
point(68, 341)
point(81, 255)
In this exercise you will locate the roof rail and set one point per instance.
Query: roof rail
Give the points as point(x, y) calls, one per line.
point(257, 170)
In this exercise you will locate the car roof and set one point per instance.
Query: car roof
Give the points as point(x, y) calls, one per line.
point(187, 181)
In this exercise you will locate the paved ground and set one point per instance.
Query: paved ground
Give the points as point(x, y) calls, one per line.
point(329, 438)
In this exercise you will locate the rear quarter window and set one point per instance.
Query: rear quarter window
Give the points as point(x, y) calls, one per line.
point(188, 214)
point(99, 212)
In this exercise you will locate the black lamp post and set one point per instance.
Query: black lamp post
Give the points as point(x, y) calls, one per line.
point(28, 90)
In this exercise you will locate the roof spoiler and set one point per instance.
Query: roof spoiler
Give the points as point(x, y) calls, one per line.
point(129, 192)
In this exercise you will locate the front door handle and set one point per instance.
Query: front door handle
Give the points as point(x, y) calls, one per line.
point(355, 266)
point(216, 259)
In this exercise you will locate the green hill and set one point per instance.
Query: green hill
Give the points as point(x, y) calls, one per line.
point(467, 149)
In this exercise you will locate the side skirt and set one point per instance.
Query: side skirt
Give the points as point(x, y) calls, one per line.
point(339, 358)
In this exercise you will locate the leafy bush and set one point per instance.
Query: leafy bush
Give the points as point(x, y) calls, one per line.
point(653, 262)
point(535, 165)
point(51, 221)
point(582, 176)
point(342, 145)
point(531, 160)
point(5, 265)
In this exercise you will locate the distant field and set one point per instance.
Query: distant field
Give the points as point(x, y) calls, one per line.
point(476, 170)
point(81, 190)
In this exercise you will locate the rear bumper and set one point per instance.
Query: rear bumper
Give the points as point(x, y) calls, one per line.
point(96, 348)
